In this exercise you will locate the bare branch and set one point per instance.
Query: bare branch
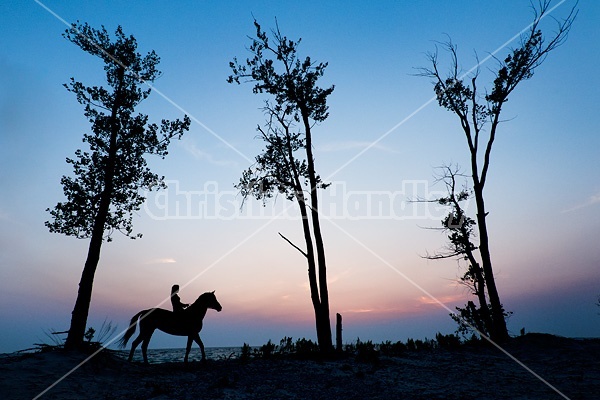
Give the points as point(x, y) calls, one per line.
point(293, 245)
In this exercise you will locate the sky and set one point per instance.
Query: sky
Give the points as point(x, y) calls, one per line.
point(379, 148)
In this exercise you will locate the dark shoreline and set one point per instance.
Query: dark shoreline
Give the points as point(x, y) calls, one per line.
point(571, 366)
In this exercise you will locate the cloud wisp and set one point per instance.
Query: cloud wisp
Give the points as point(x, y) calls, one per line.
point(592, 200)
point(205, 156)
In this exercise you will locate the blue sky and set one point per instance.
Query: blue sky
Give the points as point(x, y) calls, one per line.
point(543, 192)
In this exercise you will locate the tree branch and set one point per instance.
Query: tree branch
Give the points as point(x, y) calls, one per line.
point(293, 245)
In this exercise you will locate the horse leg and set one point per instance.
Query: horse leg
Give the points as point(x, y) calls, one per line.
point(199, 341)
point(145, 350)
point(134, 344)
point(145, 344)
point(188, 348)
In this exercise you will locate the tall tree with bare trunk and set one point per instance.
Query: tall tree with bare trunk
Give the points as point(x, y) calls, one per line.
point(287, 164)
point(109, 179)
point(479, 116)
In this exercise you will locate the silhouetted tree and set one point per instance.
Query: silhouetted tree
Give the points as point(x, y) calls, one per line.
point(106, 189)
point(287, 164)
point(479, 117)
point(459, 227)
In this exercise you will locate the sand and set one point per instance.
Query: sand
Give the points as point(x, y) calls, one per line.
point(571, 366)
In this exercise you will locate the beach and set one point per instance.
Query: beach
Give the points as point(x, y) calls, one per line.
point(565, 368)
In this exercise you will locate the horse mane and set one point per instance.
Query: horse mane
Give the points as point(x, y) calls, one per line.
point(202, 296)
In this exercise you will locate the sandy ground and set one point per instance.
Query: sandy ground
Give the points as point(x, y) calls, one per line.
point(571, 366)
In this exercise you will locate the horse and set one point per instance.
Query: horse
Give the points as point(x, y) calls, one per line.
point(182, 323)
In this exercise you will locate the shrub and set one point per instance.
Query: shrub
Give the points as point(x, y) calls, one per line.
point(286, 346)
point(266, 350)
point(388, 348)
point(306, 347)
point(447, 341)
point(246, 352)
point(366, 351)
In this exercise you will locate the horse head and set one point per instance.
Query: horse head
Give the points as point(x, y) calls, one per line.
point(211, 301)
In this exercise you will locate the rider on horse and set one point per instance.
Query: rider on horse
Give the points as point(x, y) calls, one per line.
point(176, 301)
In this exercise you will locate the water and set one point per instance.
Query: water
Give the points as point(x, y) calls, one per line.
point(157, 356)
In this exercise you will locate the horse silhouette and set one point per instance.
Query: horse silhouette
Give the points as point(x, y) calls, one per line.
point(183, 323)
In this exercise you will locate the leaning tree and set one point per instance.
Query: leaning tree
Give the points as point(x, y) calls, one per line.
point(462, 245)
point(109, 179)
point(287, 163)
point(479, 116)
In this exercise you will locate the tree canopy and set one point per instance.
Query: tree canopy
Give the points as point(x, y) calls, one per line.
point(119, 139)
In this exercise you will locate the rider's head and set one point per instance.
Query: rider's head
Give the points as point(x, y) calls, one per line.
point(174, 289)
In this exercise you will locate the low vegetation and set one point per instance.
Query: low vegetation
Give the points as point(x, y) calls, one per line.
point(94, 340)
point(362, 351)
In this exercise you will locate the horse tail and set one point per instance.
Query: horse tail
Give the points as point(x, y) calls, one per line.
point(131, 330)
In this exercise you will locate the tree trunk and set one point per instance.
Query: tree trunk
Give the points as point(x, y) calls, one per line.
point(323, 321)
point(310, 258)
point(483, 305)
point(312, 268)
point(479, 280)
point(499, 332)
point(84, 295)
point(338, 332)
